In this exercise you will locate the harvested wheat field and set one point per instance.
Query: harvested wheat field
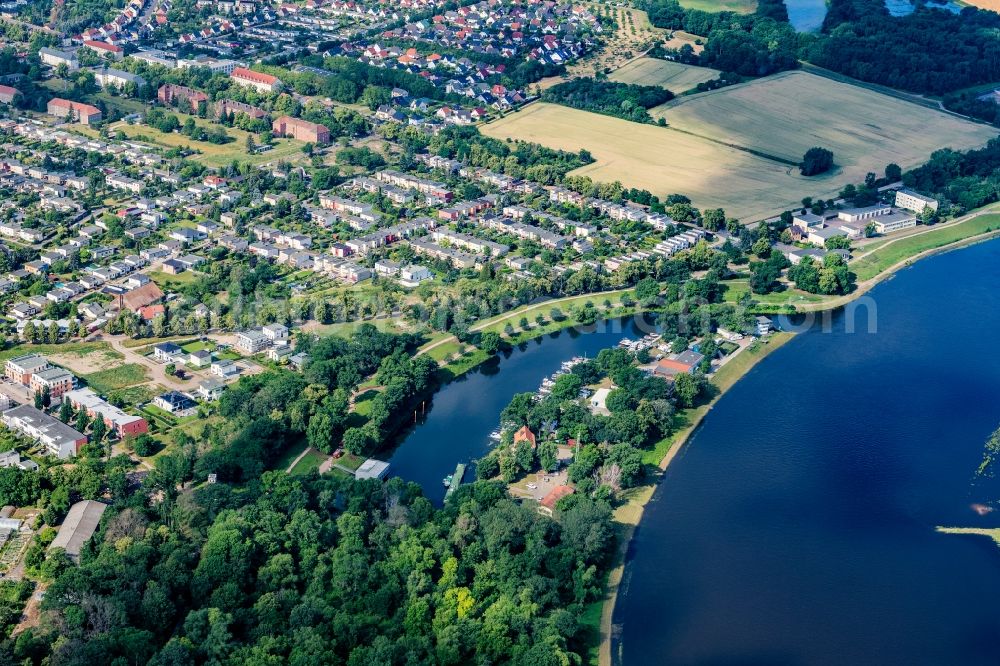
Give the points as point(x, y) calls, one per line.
point(664, 161)
point(674, 76)
point(786, 114)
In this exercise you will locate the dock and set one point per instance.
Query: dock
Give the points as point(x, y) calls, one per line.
point(456, 480)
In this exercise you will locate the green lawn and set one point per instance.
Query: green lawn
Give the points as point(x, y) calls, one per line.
point(213, 155)
point(290, 453)
point(134, 395)
point(112, 379)
point(309, 462)
point(198, 345)
point(735, 289)
point(173, 282)
point(890, 254)
point(350, 461)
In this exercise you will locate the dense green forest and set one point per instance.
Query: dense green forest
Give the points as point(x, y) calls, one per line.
point(313, 571)
point(961, 181)
point(930, 51)
point(622, 100)
point(745, 44)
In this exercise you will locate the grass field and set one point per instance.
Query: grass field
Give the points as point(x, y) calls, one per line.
point(662, 160)
point(173, 282)
point(786, 114)
point(211, 154)
point(674, 76)
point(309, 462)
point(112, 379)
point(888, 255)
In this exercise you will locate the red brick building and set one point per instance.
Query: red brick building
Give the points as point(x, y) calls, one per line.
point(8, 94)
point(84, 114)
point(300, 129)
point(104, 48)
point(259, 80)
point(168, 92)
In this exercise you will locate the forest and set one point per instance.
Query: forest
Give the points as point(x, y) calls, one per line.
point(961, 181)
point(312, 571)
point(622, 100)
point(745, 44)
point(930, 51)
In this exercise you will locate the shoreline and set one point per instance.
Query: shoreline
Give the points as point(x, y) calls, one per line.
point(634, 509)
point(630, 513)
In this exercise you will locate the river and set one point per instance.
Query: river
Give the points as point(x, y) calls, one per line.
point(797, 525)
point(458, 423)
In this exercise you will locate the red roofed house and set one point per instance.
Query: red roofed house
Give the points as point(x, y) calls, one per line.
point(139, 298)
point(7, 94)
point(169, 92)
point(556, 494)
point(104, 48)
point(259, 80)
point(300, 129)
point(74, 111)
point(524, 435)
point(666, 367)
point(151, 312)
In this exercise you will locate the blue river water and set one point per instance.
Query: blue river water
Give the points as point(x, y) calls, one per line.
point(797, 525)
point(458, 423)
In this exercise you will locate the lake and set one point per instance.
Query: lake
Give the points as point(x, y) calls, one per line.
point(797, 525)
point(905, 7)
point(806, 15)
point(462, 415)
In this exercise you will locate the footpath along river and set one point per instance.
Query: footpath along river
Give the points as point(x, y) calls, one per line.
point(797, 525)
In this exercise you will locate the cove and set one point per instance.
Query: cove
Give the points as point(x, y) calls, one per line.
point(463, 413)
point(797, 524)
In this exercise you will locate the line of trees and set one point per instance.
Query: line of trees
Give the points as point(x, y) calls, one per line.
point(622, 100)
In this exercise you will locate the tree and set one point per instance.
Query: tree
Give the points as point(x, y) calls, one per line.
point(98, 431)
point(647, 289)
point(548, 455)
point(687, 388)
point(816, 161)
point(356, 441)
point(65, 411)
point(82, 420)
point(837, 243)
point(490, 342)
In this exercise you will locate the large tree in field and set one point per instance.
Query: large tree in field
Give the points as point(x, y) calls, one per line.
point(816, 161)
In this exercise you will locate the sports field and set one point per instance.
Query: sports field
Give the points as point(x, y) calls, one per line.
point(674, 76)
point(663, 160)
point(786, 114)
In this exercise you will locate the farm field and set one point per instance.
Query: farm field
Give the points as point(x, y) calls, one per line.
point(786, 114)
point(992, 5)
point(738, 6)
point(674, 76)
point(665, 161)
